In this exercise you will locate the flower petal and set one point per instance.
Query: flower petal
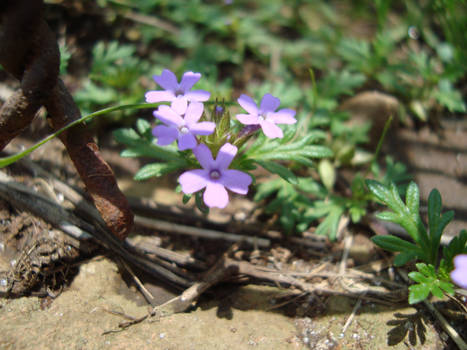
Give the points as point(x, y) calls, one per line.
point(203, 128)
point(269, 103)
point(179, 105)
point(216, 195)
point(248, 104)
point(159, 96)
point(204, 156)
point(188, 80)
point(459, 274)
point(167, 80)
point(235, 180)
point(247, 119)
point(193, 180)
point(225, 156)
point(282, 116)
point(197, 95)
point(193, 112)
point(165, 134)
point(271, 130)
point(186, 141)
point(167, 115)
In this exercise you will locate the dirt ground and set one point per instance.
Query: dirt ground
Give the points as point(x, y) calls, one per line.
point(234, 318)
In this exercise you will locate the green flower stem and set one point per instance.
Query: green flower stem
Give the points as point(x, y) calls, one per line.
point(11, 159)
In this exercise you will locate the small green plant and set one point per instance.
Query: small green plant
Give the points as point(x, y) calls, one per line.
point(114, 76)
point(432, 275)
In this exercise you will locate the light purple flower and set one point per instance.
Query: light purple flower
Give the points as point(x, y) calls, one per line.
point(215, 176)
point(174, 90)
point(265, 115)
point(177, 127)
point(459, 274)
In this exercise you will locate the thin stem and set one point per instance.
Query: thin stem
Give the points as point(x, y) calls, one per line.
point(11, 159)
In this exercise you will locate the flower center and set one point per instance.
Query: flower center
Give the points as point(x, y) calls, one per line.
point(214, 174)
point(179, 92)
point(261, 118)
point(184, 130)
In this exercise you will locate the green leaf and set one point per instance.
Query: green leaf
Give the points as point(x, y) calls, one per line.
point(394, 244)
point(404, 257)
point(380, 191)
point(157, 169)
point(186, 198)
point(436, 291)
point(280, 170)
point(330, 224)
point(266, 189)
point(389, 216)
point(434, 206)
point(448, 97)
point(139, 146)
point(436, 222)
point(402, 215)
point(327, 173)
point(300, 151)
point(142, 126)
point(412, 199)
point(418, 277)
point(200, 203)
point(428, 280)
point(448, 287)
point(418, 293)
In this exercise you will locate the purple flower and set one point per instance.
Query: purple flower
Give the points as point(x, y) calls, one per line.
point(183, 129)
point(459, 274)
point(265, 116)
point(173, 90)
point(215, 176)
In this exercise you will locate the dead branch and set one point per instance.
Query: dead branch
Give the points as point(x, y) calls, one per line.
point(26, 199)
point(29, 51)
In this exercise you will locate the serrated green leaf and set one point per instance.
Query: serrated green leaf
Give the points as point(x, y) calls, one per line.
point(157, 169)
point(266, 189)
point(330, 224)
point(300, 150)
point(448, 287)
point(418, 293)
point(418, 277)
point(380, 191)
point(412, 199)
point(448, 97)
point(395, 202)
point(436, 291)
point(126, 135)
point(388, 216)
point(139, 146)
point(428, 281)
point(142, 126)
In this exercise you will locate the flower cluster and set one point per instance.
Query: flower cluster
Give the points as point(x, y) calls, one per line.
point(182, 121)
